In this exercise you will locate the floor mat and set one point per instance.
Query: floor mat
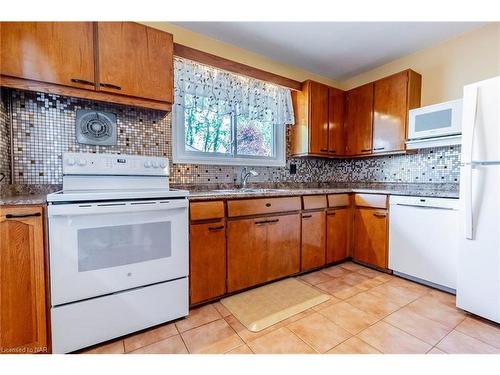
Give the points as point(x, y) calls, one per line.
point(262, 307)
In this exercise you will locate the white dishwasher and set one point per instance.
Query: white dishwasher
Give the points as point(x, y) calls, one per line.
point(423, 240)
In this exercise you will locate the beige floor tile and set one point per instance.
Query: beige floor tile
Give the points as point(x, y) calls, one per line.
point(215, 338)
point(172, 345)
point(221, 309)
point(443, 297)
point(242, 349)
point(422, 328)
point(314, 278)
point(280, 341)
point(384, 278)
point(149, 337)
point(336, 271)
point(349, 317)
point(435, 351)
point(351, 266)
point(115, 347)
point(354, 345)
point(339, 289)
point(332, 301)
point(391, 340)
point(487, 332)
point(319, 332)
point(370, 272)
point(431, 308)
point(416, 287)
point(379, 306)
point(459, 343)
point(399, 295)
point(355, 279)
point(197, 317)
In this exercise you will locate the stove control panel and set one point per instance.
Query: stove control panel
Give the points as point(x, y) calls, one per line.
point(75, 163)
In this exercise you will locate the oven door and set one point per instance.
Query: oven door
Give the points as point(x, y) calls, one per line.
point(106, 247)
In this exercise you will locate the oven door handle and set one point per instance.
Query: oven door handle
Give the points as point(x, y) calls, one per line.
point(94, 208)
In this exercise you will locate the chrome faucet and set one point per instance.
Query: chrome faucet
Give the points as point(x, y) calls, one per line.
point(245, 173)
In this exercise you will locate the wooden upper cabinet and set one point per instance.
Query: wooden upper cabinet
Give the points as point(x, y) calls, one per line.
point(318, 126)
point(23, 322)
point(359, 120)
point(319, 113)
point(55, 52)
point(135, 60)
point(336, 109)
point(394, 96)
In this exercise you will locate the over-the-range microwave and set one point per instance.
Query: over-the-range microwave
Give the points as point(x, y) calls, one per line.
point(435, 121)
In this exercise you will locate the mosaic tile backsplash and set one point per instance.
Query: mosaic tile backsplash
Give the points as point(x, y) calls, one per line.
point(4, 141)
point(44, 127)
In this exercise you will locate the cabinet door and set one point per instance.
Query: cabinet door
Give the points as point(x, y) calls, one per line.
point(390, 113)
point(318, 126)
point(23, 326)
point(370, 236)
point(336, 134)
point(54, 52)
point(207, 258)
point(313, 240)
point(246, 253)
point(359, 120)
point(283, 246)
point(337, 234)
point(135, 60)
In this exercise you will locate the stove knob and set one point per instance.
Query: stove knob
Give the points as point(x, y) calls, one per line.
point(71, 161)
point(147, 164)
point(82, 162)
point(155, 164)
point(163, 164)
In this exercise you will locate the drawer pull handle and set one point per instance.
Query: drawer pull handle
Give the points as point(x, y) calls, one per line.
point(273, 221)
point(82, 81)
point(324, 150)
point(378, 148)
point(366, 150)
point(268, 204)
point(333, 151)
point(261, 222)
point(19, 216)
point(110, 86)
point(213, 229)
point(333, 213)
point(306, 216)
point(267, 222)
point(379, 214)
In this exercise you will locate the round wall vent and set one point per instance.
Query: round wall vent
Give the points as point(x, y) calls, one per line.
point(96, 127)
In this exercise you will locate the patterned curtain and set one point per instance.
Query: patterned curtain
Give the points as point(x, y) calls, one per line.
point(222, 92)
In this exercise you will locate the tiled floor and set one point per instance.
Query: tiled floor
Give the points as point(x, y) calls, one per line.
point(369, 312)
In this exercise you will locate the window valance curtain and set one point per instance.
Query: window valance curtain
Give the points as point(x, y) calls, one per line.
point(208, 88)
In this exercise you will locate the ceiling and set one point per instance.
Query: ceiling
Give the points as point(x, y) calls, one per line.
point(337, 50)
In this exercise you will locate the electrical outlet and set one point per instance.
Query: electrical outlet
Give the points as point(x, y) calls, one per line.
point(293, 168)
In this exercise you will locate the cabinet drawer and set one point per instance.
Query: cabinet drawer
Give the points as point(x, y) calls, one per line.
point(312, 202)
point(206, 210)
point(247, 207)
point(338, 200)
point(371, 200)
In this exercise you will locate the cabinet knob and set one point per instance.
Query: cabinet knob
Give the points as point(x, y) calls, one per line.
point(268, 204)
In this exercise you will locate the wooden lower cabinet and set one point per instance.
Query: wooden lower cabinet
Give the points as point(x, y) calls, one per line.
point(313, 240)
point(262, 249)
point(370, 236)
point(23, 320)
point(207, 254)
point(337, 234)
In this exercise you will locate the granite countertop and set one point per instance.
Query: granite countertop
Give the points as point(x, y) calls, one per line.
point(213, 194)
point(37, 194)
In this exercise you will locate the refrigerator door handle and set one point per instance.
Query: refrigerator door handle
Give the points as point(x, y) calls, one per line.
point(467, 170)
point(469, 123)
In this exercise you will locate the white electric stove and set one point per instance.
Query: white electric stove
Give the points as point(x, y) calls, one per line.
point(118, 244)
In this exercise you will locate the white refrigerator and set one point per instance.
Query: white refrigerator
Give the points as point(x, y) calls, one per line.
point(478, 278)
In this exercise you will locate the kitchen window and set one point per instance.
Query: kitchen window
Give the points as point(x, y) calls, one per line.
point(226, 119)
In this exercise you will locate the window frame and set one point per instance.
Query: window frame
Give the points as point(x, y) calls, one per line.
point(182, 156)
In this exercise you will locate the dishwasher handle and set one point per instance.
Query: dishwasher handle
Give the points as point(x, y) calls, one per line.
point(425, 207)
